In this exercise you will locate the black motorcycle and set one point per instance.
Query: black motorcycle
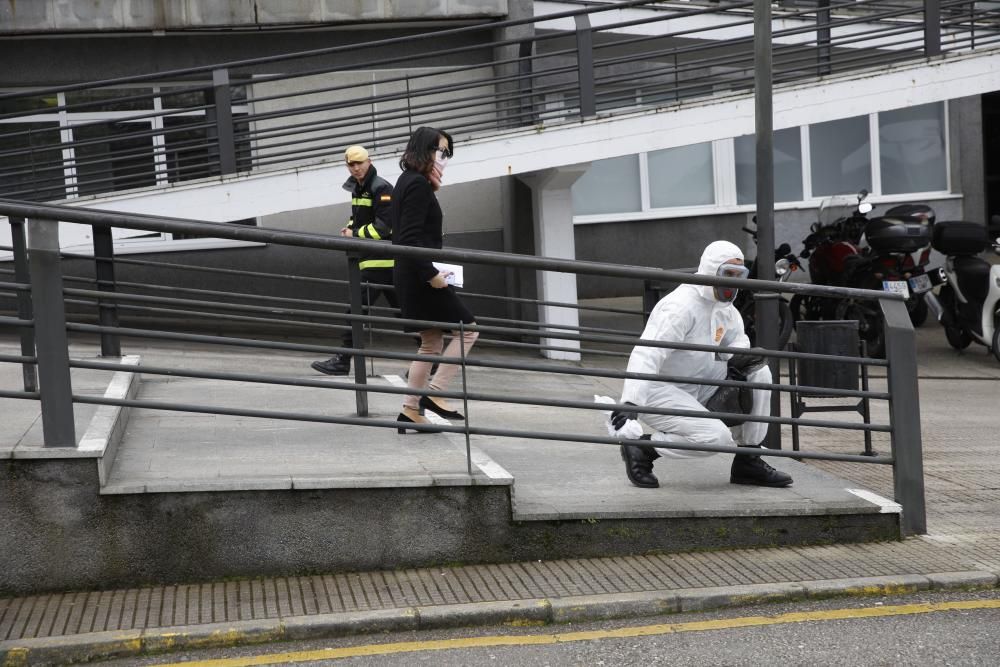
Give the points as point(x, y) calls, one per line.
point(869, 253)
point(785, 263)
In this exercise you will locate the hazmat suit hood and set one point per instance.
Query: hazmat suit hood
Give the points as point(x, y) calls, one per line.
point(715, 255)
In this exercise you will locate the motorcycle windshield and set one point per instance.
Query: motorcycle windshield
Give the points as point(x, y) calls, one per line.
point(836, 207)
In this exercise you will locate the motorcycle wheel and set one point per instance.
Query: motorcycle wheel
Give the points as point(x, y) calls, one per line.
point(918, 311)
point(957, 337)
point(787, 323)
point(870, 329)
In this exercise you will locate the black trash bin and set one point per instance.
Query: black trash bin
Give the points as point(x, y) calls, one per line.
point(839, 337)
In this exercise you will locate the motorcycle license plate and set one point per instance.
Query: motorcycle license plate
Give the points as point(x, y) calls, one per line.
point(920, 284)
point(897, 286)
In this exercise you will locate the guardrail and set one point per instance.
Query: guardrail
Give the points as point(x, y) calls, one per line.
point(239, 117)
point(39, 282)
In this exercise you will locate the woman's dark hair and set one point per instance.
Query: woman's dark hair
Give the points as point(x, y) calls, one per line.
point(419, 153)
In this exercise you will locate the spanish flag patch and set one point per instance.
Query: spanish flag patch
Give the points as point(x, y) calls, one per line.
point(385, 197)
point(718, 334)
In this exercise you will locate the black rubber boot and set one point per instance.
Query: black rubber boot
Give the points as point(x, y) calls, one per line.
point(755, 471)
point(639, 464)
point(336, 365)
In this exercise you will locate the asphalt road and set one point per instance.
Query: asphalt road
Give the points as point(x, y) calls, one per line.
point(919, 629)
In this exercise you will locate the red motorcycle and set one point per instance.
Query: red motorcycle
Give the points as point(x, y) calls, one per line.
point(832, 248)
point(878, 254)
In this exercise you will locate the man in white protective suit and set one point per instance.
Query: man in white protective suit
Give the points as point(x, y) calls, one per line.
point(703, 315)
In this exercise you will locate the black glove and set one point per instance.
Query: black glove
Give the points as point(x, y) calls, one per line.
point(742, 365)
point(619, 417)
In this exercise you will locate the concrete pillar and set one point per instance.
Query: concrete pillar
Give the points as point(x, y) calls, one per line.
point(553, 213)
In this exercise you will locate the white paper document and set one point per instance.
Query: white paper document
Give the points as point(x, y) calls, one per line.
point(456, 278)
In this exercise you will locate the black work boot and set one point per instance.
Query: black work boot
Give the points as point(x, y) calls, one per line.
point(755, 471)
point(639, 464)
point(337, 365)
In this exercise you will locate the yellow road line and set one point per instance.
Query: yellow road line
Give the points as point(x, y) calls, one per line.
point(562, 637)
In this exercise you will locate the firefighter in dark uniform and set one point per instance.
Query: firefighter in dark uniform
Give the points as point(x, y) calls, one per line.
point(371, 198)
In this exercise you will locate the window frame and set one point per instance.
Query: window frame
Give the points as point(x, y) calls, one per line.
point(724, 176)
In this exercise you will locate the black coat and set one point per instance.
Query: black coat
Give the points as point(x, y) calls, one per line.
point(417, 221)
point(370, 203)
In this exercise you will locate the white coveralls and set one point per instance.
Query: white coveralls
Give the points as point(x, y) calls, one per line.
point(692, 314)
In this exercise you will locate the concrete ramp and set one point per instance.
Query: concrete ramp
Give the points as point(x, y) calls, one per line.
point(189, 496)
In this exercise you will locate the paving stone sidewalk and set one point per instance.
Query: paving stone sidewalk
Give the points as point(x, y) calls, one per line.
point(962, 549)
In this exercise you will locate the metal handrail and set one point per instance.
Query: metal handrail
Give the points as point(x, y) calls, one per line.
point(50, 298)
point(495, 102)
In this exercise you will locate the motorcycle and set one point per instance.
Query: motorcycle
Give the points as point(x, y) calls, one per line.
point(875, 254)
point(892, 241)
point(833, 239)
point(970, 300)
point(785, 263)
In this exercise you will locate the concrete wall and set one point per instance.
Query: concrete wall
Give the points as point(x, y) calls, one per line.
point(60, 535)
point(967, 156)
point(678, 242)
point(33, 61)
point(31, 16)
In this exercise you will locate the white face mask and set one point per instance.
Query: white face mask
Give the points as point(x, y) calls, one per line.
point(440, 159)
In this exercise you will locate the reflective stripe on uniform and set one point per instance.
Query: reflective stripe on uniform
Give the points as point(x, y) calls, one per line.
point(361, 201)
point(369, 232)
point(376, 264)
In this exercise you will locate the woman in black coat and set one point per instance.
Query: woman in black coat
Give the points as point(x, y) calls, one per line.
point(423, 290)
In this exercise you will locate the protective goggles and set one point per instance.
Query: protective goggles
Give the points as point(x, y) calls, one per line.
point(727, 294)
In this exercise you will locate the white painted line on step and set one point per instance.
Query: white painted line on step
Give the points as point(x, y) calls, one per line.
point(102, 424)
point(480, 459)
point(886, 506)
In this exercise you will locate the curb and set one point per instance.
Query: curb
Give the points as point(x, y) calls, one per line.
point(537, 612)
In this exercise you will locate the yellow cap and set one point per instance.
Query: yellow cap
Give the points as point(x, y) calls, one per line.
point(356, 154)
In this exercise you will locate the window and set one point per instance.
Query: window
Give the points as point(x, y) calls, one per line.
point(787, 167)
point(609, 186)
point(840, 156)
point(912, 149)
point(681, 176)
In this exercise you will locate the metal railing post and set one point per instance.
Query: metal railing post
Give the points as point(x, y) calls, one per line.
point(222, 113)
point(56, 388)
point(766, 304)
point(823, 52)
point(357, 332)
point(22, 275)
point(904, 416)
point(104, 271)
point(526, 83)
point(932, 27)
point(585, 65)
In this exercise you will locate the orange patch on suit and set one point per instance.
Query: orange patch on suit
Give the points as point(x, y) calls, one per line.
point(718, 334)
point(385, 198)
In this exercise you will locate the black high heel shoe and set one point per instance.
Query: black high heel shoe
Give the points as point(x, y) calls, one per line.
point(404, 418)
point(427, 403)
